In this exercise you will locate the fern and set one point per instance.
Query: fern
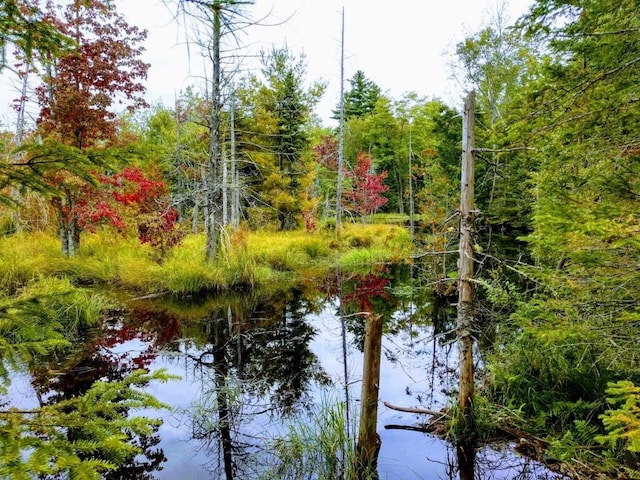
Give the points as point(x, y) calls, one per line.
point(622, 424)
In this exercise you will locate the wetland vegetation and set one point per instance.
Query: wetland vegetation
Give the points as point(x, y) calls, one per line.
point(189, 287)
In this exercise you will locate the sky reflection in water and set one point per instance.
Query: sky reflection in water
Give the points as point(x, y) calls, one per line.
point(407, 372)
point(417, 369)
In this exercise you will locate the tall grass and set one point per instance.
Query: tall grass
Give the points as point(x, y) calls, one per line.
point(24, 258)
point(62, 302)
point(366, 246)
point(363, 260)
point(245, 260)
point(288, 251)
point(315, 446)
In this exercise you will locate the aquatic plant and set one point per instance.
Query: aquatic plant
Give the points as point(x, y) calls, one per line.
point(315, 445)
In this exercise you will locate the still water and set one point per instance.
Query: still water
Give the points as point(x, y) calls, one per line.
point(255, 366)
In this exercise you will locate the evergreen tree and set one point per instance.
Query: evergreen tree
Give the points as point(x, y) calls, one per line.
point(579, 330)
point(45, 319)
point(23, 25)
point(498, 63)
point(361, 99)
point(277, 113)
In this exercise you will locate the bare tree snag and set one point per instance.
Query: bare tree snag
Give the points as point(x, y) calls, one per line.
point(341, 132)
point(465, 262)
point(368, 444)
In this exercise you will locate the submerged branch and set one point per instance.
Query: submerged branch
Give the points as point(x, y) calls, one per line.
point(416, 410)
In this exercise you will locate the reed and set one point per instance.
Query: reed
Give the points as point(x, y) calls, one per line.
point(315, 445)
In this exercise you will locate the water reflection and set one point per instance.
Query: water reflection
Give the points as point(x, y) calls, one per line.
point(252, 361)
point(466, 462)
point(257, 359)
point(70, 374)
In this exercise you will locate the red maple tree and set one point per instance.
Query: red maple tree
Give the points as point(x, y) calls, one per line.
point(130, 199)
point(77, 99)
point(365, 195)
point(77, 96)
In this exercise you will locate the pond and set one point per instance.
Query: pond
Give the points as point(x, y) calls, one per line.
point(262, 374)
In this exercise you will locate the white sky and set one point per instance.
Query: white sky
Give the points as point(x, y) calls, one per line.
point(403, 46)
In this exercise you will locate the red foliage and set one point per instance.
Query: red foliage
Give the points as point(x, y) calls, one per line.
point(326, 152)
point(366, 288)
point(130, 195)
point(76, 100)
point(310, 223)
point(365, 196)
point(137, 189)
point(91, 213)
point(159, 230)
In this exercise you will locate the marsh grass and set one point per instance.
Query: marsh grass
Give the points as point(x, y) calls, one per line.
point(62, 302)
point(315, 445)
point(24, 258)
point(288, 251)
point(367, 246)
point(246, 259)
point(363, 260)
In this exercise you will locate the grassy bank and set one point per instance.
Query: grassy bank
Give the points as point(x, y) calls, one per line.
point(246, 259)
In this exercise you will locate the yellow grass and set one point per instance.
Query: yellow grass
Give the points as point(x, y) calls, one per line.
point(246, 259)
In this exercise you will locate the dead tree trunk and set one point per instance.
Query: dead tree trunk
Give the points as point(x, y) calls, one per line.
point(235, 187)
point(341, 133)
point(465, 264)
point(368, 444)
point(213, 186)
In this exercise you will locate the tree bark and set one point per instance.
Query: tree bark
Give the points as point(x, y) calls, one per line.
point(368, 445)
point(214, 140)
point(235, 187)
point(465, 264)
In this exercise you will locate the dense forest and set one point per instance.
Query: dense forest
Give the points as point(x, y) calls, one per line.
point(186, 197)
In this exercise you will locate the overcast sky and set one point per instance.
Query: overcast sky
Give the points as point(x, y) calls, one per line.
point(402, 45)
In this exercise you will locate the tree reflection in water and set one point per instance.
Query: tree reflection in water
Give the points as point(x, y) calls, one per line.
point(254, 359)
point(72, 373)
point(255, 365)
point(466, 462)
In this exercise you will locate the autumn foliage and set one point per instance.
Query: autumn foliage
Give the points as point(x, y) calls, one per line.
point(326, 152)
point(130, 200)
point(76, 101)
point(366, 193)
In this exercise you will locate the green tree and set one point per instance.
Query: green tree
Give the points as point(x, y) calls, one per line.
point(76, 102)
point(498, 63)
point(24, 25)
point(579, 331)
point(179, 138)
point(277, 112)
point(361, 99)
point(45, 318)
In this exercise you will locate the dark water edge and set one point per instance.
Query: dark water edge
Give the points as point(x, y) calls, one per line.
point(261, 360)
